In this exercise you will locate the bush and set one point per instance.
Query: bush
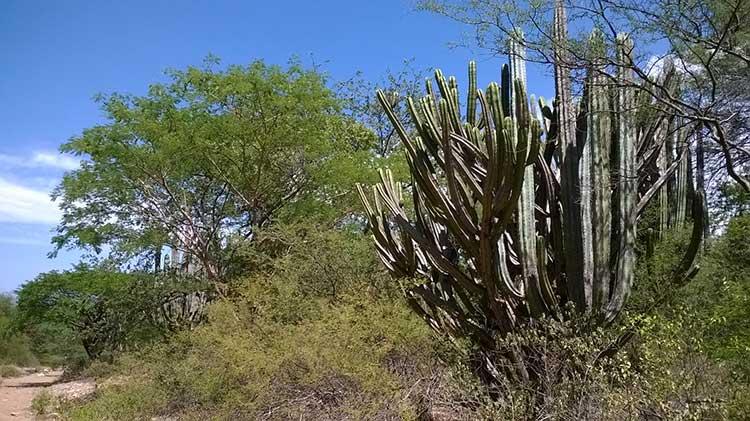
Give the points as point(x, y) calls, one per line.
point(136, 400)
point(14, 347)
point(345, 362)
point(373, 359)
point(316, 331)
point(720, 296)
point(76, 316)
point(43, 403)
point(8, 371)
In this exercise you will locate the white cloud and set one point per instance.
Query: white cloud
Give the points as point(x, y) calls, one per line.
point(657, 65)
point(25, 205)
point(55, 160)
point(40, 159)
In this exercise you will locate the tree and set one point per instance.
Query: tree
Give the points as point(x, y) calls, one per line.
point(200, 162)
point(706, 39)
point(361, 103)
point(101, 310)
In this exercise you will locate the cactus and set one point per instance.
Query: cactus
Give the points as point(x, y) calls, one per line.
point(682, 178)
point(507, 226)
point(596, 152)
point(627, 181)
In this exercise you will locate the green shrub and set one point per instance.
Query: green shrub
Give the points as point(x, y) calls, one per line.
point(16, 350)
point(343, 363)
point(8, 371)
point(316, 331)
point(44, 402)
point(132, 401)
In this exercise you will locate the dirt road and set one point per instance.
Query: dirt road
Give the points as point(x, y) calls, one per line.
point(16, 394)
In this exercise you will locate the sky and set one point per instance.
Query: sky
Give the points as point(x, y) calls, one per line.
point(57, 55)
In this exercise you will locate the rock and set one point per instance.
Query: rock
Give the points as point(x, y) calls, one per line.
point(75, 390)
point(440, 413)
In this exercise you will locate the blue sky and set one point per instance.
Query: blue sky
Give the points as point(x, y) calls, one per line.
point(58, 55)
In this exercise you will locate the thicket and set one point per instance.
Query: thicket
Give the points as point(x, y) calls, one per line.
point(15, 348)
point(319, 333)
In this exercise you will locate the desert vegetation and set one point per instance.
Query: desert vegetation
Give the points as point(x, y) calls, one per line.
point(263, 242)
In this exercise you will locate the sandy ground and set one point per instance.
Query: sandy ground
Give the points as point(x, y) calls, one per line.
point(16, 394)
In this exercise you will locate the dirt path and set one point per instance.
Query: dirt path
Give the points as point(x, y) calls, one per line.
point(16, 394)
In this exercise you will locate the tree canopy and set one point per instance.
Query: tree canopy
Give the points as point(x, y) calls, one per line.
point(205, 159)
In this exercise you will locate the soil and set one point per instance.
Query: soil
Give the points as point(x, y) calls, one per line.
point(17, 393)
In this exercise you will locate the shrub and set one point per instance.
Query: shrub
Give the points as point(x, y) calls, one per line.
point(8, 371)
point(87, 313)
point(349, 361)
point(135, 400)
point(44, 402)
point(287, 344)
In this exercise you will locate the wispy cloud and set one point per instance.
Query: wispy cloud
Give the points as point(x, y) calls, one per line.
point(21, 204)
point(55, 160)
point(39, 159)
point(20, 241)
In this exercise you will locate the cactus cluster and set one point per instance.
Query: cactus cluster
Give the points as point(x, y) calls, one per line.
point(518, 210)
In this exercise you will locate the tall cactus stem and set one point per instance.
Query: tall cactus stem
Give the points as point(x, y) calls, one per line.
point(471, 96)
point(627, 179)
point(598, 143)
point(526, 203)
point(681, 177)
point(576, 280)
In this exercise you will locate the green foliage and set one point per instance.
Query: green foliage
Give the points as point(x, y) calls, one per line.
point(312, 330)
point(9, 371)
point(94, 310)
point(206, 158)
point(14, 346)
point(316, 330)
point(136, 400)
point(317, 262)
point(43, 403)
point(701, 325)
point(277, 352)
point(720, 296)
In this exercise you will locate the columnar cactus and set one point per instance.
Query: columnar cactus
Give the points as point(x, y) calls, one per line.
point(683, 178)
point(517, 212)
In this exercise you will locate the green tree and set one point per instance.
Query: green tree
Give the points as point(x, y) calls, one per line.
point(200, 162)
point(14, 345)
point(99, 310)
